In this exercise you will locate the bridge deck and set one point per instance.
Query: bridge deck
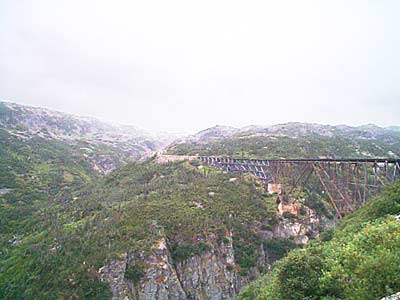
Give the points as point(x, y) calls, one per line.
point(349, 160)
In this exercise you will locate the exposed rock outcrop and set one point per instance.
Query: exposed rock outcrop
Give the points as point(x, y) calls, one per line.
point(160, 280)
point(213, 275)
point(113, 273)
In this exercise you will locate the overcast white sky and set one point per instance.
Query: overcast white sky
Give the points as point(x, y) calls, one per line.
point(187, 65)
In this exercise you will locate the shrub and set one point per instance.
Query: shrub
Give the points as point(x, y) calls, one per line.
point(276, 248)
point(135, 272)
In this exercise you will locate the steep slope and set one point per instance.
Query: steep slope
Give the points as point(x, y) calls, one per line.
point(153, 231)
point(43, 153)
point(361, 260)
point(293, 140)
point(46, 155)
point(33, 170)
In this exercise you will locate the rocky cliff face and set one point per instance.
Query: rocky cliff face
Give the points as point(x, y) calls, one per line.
point(212, 275)
point(201, 277)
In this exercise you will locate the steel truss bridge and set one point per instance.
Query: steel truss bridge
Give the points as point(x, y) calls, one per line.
point(348, 183)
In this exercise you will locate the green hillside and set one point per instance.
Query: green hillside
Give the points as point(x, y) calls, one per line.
point(32, 172)
point(80, 230)
point(61, 221)
point(360, 259)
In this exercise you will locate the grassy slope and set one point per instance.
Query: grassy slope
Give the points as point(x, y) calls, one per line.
point(361, 260)
point(117, 214)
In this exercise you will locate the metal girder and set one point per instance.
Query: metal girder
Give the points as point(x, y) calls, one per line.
point(341, 177)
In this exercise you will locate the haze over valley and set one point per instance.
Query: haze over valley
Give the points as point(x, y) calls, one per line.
point(212, 150)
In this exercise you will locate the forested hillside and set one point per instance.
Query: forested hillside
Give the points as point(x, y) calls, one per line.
point(46, 155)
point(196, 219)
point(79, 231)
point(81, 218)
point(32, 173)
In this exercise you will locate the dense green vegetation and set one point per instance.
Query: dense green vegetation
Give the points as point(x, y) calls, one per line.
point(61, 219)
point(307, 146)
point(38, 179)
point(32, 172)
point(360, 259)
point(35, 172)
point(128, 211)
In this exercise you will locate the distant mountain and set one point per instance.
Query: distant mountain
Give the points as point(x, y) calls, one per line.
point(215, 132)
point(107, 145)
point(293, 129)
point(292, 140)
point(54, 124)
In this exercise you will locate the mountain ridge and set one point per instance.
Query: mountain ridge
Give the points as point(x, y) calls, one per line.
point(225, 130)
point(114, 144)
point(292, 140)
point(296, 128)
point(86, 214)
